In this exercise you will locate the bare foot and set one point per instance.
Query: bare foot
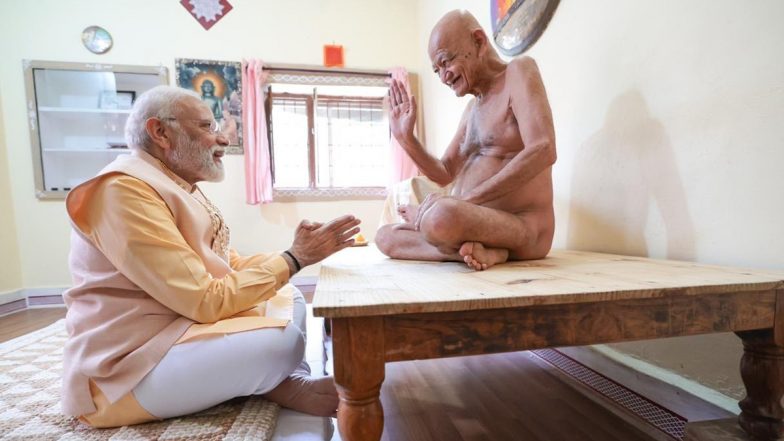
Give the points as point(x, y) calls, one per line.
point(476, 256)
point(303, 393)
point(408, 212)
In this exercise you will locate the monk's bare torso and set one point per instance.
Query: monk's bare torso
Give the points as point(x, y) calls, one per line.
point(499, 161)
point(492, 138)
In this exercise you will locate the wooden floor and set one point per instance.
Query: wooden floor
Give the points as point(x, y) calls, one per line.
point(29, 320)
point(499, 397)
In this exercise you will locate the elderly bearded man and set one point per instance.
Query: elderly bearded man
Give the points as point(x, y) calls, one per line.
point(499, 162)
point(164, 319)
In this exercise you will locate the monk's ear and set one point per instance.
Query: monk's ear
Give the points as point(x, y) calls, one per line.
point(158, 133)
point(480, 40)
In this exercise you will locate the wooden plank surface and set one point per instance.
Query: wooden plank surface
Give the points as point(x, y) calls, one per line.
point(362, 281)
point(778, 327)
point(503, 397)
point(22, 322)
point(726, 429)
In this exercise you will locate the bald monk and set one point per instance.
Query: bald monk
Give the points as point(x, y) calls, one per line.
point(500, 160)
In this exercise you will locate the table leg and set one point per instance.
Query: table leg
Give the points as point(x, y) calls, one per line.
point(358, 350)
point(762, 370)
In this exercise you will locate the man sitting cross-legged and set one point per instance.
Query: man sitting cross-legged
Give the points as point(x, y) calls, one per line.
point(164, 317)
point(499, 162)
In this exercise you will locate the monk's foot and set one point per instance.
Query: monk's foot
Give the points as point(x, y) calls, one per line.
point(476, 256)
point(303, 393)
point(408, 212)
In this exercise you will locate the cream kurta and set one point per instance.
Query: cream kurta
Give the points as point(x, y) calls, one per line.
point(143, 272)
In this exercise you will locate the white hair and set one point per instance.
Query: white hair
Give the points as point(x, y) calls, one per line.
point(158, 102)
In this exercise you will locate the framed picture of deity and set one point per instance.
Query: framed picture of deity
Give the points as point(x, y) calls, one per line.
point(219, 83)
point(517, 24)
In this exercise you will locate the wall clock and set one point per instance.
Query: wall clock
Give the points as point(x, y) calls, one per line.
point(96, 39)
point(517, 24)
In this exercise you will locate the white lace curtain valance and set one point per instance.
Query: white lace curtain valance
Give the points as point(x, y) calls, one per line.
point(302, 76)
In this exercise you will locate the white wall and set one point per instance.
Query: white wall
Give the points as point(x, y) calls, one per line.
point(668, 124)
point(376, 34)
point(668, 119)
point(10, 268)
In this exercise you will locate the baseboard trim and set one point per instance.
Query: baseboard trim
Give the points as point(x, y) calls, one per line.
point(690, 386)
point(45, 300)
point(11, 297)
point(22, 299)
point(9, 307)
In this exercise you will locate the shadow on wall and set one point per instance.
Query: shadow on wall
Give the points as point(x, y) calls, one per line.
point(618, 172)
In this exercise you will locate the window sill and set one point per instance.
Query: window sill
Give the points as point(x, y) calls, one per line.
point(328, 194)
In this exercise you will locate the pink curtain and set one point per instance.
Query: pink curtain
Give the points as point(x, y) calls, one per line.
point(258, 174)
point(402, 166)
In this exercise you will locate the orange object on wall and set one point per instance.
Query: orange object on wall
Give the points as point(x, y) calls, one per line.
point(333, 55)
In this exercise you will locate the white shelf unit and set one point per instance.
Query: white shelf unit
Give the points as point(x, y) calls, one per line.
point(78, 110)
point(75, 130)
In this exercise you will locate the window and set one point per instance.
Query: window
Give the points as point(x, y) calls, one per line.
point(329, 134)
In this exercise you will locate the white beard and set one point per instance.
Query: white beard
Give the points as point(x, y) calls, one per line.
point(194, 160)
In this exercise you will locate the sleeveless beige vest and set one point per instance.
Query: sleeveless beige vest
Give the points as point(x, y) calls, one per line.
point(143, 329)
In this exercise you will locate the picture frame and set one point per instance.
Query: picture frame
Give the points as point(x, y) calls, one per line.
point(125, 99)
point(107, 99)
point(219, 83)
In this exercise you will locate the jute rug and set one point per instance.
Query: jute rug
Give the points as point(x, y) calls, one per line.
point(30, 368)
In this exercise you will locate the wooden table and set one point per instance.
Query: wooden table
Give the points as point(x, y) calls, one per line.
point(391, 310)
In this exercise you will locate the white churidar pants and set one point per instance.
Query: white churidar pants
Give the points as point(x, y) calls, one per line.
point(197, 375)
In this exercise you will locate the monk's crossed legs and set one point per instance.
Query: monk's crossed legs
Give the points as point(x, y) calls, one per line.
point(454, 230)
